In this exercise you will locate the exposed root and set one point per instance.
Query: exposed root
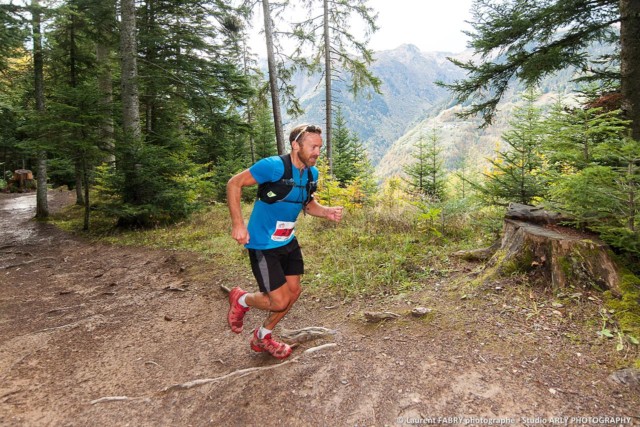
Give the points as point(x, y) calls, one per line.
point(225, 289)
point(243, 372)
point(374, 316)
point(16, 253)
point(113, 399)
point(305, 334)
point(238, 373)
point(203, 381)
point(4, 397)
point(319, 348)
point(6, 267)
point(59, 309)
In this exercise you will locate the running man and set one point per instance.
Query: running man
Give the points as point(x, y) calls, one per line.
point(285, 187)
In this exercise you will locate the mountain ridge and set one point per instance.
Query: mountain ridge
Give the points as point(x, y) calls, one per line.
point(411, 104)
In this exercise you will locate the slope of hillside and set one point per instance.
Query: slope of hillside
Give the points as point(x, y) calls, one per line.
point(411, 104)
point(408, 94)
point(464, 139)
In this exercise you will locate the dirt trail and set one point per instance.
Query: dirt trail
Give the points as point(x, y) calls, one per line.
point(81, 321)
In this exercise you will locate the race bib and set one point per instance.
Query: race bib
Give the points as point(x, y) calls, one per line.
point(284, 231)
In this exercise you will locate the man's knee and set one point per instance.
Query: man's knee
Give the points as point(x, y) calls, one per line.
point(280, 299)
point(293, 284)
point(296, 291)
point(279, 305)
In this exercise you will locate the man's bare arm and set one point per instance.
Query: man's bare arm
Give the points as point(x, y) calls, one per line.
point(234, 194)
point(331, 213)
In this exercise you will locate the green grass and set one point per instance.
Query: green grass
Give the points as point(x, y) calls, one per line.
point(367, 253)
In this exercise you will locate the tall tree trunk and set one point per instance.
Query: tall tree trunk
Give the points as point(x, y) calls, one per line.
point(630, 85)
point(129, 51)
point(149, 96)
point(327, 84)
point(273, 78)
point(106, 102)
point(73, 82)
point(42, 205)
point(630, 62)
point(78, 176)
point(87, 205)
point(249, 107)
point(130, 102)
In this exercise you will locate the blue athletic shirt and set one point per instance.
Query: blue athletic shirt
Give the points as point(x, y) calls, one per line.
point(273, 225)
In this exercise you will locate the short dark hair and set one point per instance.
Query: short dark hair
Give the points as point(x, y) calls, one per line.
point(300, 130)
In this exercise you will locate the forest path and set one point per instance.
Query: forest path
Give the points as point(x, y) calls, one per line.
point(94, 334)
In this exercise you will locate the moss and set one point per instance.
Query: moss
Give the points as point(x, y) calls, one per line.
point(520, 263)
point(627, 306)
point(566, 265)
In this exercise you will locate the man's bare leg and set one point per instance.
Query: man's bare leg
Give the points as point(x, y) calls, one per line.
point(278, 302)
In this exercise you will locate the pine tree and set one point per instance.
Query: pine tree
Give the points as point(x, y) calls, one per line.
point(337, 50)
point(13, 33)
point(347, 151)
point(596, 175)
point(574, 133)
point(13, 68)
point(426, 173)
point(42, 205)
point(537, 38)
point(264, 134)
point(515, 174)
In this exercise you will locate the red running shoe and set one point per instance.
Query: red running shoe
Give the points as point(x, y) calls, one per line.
point(236, 311)
point(278, 350)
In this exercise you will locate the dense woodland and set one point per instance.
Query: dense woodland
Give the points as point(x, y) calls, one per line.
point(147, 108)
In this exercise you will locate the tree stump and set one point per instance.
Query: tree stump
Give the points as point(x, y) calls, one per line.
point(22, 180)
point(562, 256)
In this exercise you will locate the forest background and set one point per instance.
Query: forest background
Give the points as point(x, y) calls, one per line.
point(147, 108)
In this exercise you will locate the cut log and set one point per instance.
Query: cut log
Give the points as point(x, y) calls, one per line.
point(564, 259)
point(534, 214)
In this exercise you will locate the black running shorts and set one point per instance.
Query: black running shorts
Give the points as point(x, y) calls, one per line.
point(271, 266)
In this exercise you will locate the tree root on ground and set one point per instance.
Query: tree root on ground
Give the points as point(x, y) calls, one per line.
point(376, 316)
point(6, 267)
point(203, 381)
point(305, 334)
point(298, 336)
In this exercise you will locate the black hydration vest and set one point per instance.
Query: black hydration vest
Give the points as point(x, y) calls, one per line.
point(271, 192)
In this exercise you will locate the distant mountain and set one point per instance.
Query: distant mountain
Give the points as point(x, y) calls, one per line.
point(409, 94)
point(411, 104)
point(465, 139)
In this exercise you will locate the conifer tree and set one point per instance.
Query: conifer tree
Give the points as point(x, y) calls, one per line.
point(264, 134)
point(594, 176)
point(13, 33)
point(536, 38)
point(76, 110)
point(426, 173)
point(42, 205)
point(347, 151)
point(337, 50)
point(573, 134)
point(515, 174)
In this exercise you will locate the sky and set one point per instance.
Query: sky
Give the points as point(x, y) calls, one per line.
point(431, 25)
